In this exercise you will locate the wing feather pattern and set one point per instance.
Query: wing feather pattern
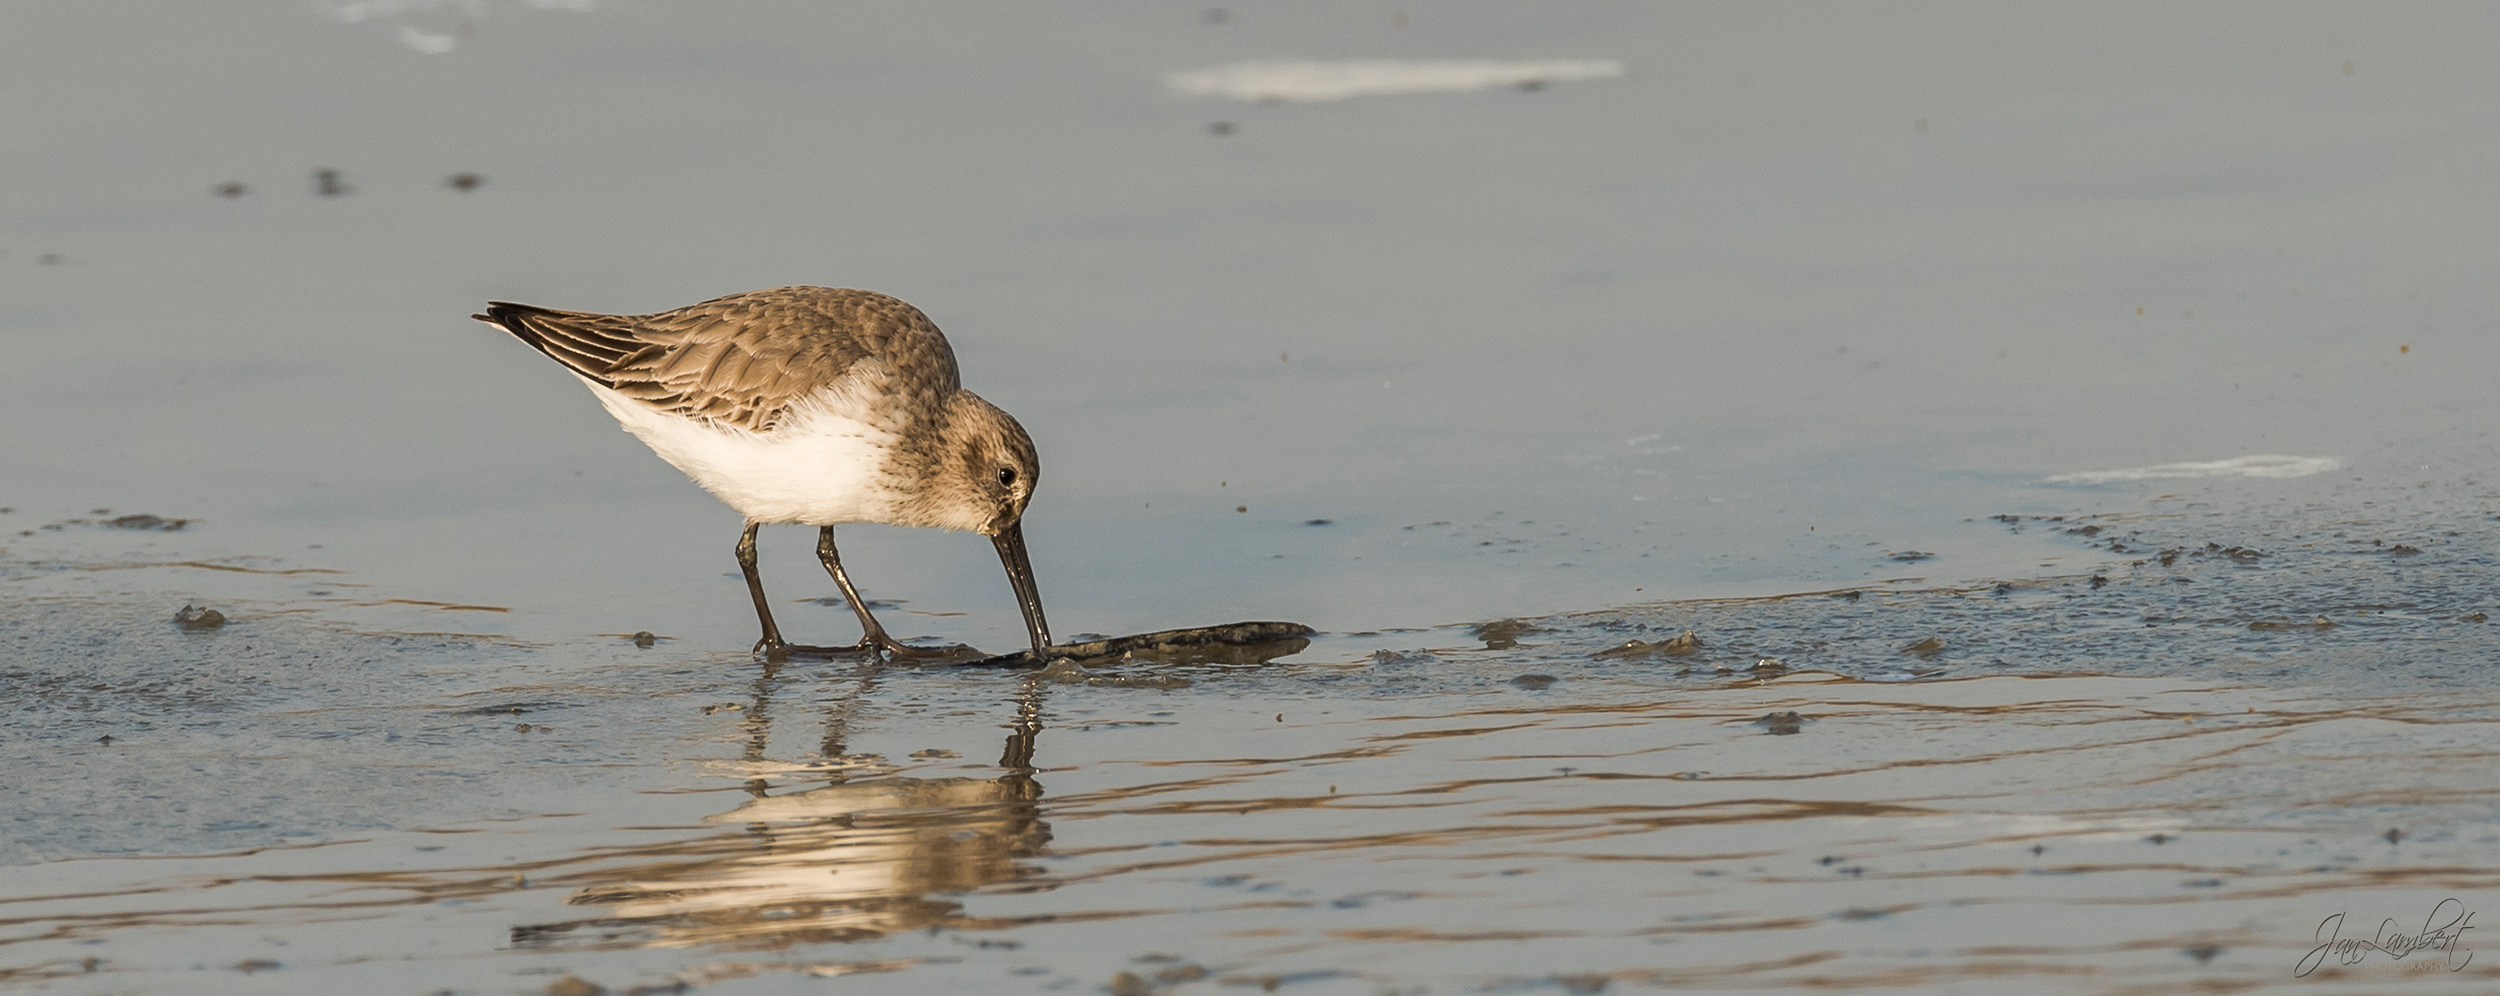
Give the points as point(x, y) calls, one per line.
point(746, 359)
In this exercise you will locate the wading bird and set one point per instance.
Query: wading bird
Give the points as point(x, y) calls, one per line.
point(813, 406)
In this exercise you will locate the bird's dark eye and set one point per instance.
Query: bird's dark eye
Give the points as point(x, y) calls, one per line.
point(1007, 475)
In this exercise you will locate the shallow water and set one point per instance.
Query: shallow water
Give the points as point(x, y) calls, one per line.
point(1445, 817)
point(2062, 436)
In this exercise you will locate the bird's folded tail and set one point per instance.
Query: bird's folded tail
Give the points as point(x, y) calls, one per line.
point(594, 346)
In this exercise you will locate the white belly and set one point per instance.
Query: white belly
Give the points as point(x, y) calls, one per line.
point(817, 469)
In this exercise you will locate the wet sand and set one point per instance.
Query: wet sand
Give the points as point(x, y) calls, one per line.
point(1331, 828)
point(2042, 781)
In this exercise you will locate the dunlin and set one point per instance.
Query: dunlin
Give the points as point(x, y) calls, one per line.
point(813, 406)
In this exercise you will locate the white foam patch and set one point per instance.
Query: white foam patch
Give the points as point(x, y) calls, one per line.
point(2261, 465)
point(1311, 82)
point(452, 16)
point(426, 41)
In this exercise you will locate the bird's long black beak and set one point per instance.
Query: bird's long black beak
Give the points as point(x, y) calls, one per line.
point(1010, 542)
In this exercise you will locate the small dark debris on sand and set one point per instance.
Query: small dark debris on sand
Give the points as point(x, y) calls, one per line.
point(231, 189)
point(1928, 647)
point(1680, 645)
point(1781, 724)
point(1534, 682)
point(198, 619)
point(464, 182)
point(331, 183)
point(250, 965)
point(1220, 129)
point(2203, 952)
point(504, 709)
point(157, 523)
point(1503, 634)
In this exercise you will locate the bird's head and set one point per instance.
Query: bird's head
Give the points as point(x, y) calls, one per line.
point(984, 471)
point(982, 478)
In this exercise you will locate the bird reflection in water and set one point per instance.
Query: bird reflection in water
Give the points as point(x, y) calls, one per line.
point(849, 861)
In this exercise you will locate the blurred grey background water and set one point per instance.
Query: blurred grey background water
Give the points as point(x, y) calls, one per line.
point(1802, 288)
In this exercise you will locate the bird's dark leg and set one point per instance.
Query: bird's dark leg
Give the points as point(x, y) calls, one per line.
point(872, 636)
point(771, 644)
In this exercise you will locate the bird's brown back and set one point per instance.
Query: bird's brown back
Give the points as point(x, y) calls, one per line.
point(744, 360)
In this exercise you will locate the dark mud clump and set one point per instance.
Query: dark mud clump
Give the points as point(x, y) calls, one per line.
point(1682, 644)
point(1781, 724)
point(199, 620)
point(135, 523)
point(1503, 634)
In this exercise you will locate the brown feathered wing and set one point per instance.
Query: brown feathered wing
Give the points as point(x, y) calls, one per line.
point(740, 360)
